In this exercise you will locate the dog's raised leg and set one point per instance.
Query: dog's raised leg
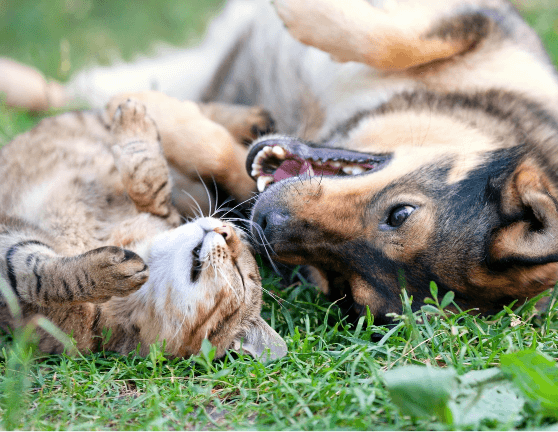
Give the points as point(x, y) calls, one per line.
point(397, 37)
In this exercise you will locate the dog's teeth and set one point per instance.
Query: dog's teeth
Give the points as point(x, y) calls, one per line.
point(357, 170)
point(256, 169)
point(348, 169)
point(267, 150)
point(263, 181)
point(335, 164)
point(318, 162)
point(279, 152)
point(261, 155)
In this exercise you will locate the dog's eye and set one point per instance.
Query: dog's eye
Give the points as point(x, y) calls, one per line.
point(399, 214)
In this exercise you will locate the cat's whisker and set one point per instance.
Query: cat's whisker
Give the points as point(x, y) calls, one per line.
point(209, 201)
point(279, 300)
point(179, 327)
point(241, 203)
point(265, 244)
point(248, 235)
point(229, 284)
point(245, 231)
point(242, 223)
point(199, 214)
point(220, 208)
point(216, 196)
point(229, 209)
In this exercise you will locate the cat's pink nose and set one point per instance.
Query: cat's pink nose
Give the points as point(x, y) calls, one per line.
point(225, 230)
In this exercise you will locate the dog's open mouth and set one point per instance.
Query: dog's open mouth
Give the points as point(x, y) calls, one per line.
point(274, 159)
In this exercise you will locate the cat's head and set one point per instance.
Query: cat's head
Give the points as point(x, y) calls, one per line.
point(204, 283)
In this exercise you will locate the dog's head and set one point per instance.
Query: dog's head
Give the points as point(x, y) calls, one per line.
point(456, 189)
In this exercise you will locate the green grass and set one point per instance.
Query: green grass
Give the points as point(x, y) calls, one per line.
point(333, 375)
point(542, 15)
point(61, 36)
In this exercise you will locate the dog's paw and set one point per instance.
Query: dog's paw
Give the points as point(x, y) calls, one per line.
point(130, 120)
point(244, 123)
point(258, 122)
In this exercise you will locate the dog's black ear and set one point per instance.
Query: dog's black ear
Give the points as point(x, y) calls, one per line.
point(530, 202)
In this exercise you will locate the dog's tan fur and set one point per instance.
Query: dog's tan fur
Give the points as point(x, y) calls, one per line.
point(480, 91)
point(457, 96)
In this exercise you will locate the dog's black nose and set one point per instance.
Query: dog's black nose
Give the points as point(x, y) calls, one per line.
point(269, 222)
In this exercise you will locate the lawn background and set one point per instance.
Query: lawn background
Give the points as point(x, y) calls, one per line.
point(332, 377)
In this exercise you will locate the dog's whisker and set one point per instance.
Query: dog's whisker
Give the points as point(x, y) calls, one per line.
point(266, 246)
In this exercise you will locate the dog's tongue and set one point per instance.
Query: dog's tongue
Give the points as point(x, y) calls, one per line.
point(295, 166)
point(291, 168)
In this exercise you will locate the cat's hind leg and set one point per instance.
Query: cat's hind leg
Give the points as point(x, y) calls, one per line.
point(140, 160)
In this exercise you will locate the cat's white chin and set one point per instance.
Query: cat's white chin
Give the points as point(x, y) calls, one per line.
point(171, 260)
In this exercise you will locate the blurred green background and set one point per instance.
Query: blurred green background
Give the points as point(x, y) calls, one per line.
point(542, 15)
point(61, 36)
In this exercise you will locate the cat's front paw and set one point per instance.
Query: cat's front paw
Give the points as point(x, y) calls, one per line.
point(131, 121)
point(115, 272)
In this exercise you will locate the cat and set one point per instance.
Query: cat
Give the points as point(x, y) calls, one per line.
point(90, 238)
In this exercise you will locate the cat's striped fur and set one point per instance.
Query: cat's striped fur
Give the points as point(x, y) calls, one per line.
point(89, 237)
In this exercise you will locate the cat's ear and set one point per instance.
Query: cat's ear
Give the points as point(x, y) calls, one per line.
point(261, 342)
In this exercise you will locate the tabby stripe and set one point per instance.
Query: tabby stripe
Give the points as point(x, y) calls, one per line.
point(128, 143)
point(69, 292)
point(207, 316)
point(223, 324)
point(39, 284)
point(160, 188)
point(96, 333)
point(80, 286)
point(89, 281)
point(241, 278)
point(96, 320)
point(30, 259)
point(9, 255)
point(101, 119)
point(138, 166)
point(66, 317)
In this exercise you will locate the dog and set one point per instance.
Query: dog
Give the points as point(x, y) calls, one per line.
point(451, 178)
point(417, 141)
